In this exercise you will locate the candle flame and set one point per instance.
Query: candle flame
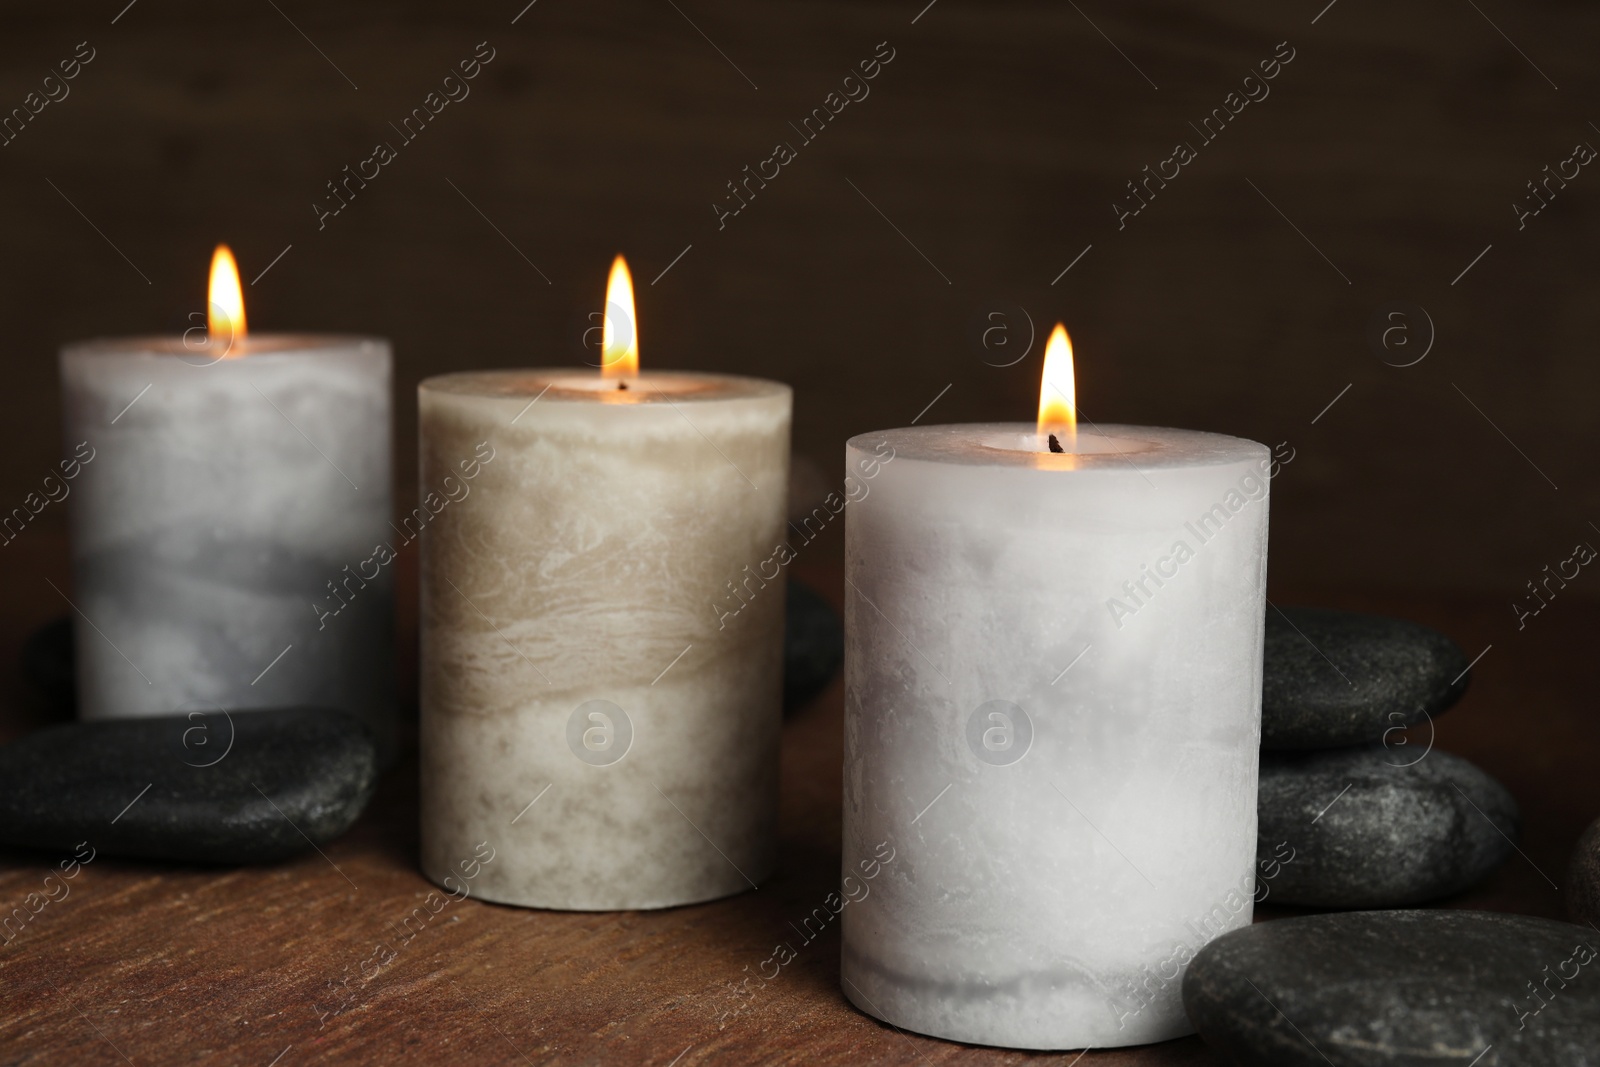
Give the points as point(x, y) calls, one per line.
point(1058, 393)
point(225, 301)
point(619, 334)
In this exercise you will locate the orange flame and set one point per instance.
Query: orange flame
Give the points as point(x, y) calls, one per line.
point(619, 334)
point(225, 302)
point(1058, 393)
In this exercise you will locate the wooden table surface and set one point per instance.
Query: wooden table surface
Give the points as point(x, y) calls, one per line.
point(278, 965)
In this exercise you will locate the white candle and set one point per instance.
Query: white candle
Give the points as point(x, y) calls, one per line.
point(590, 706)
point(1053, 682)
point(222, 533)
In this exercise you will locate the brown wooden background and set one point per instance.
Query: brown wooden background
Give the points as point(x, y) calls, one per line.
point(996, 141)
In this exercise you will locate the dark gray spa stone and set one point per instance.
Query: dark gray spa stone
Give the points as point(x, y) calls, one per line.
point(1343, 678)
point(813, 646)
point(1403, 988)
point(1583, 878)
point(248, 787)
point(1368, 833)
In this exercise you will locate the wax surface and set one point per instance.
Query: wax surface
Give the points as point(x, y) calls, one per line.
point(1064, 770)
point(213, 529)
point(584, 571)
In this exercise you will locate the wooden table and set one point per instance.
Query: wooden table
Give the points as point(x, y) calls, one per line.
point(148, 963)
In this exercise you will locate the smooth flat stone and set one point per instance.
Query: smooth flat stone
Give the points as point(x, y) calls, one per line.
point(813, 645)
point(250, 787)
point(1400, 987)
point(1583, 878)
point(1341, 678)
point(1366, 833)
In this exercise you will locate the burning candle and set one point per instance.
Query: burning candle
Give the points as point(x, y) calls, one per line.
point(224, 536)
point(592, 704)
point(1053, 692)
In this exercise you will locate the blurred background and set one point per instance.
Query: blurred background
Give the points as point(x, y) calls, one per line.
point(914, 253)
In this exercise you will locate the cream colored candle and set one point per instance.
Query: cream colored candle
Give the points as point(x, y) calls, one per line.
point(589, 706)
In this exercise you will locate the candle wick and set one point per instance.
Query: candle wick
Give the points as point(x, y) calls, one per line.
point(1055, 446)
point(622, 385)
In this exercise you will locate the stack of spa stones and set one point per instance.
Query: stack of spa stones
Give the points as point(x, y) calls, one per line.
point(1358, 808)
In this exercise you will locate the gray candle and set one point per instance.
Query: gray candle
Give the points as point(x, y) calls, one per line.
point(1052, 716)
point(231, 537)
